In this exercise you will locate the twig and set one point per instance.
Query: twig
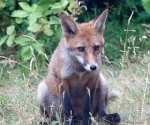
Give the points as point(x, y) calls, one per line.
point(3, 57)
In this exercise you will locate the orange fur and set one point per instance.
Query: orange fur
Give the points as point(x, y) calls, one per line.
point(75, 66)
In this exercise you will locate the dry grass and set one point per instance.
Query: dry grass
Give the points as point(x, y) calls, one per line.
point(18, 105)
point(18, 101)
point(134, 86)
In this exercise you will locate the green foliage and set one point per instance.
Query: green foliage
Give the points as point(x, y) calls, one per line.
point(146, 4)
point(31, 24)
point(2, 5)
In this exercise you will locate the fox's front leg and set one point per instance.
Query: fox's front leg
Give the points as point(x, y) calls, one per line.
point(102, 91)
point(67, 109)
point(86, 116)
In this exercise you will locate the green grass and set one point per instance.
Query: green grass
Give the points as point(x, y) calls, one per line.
point(18, 102)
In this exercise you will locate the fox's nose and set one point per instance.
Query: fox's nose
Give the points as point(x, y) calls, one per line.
point(93, 67)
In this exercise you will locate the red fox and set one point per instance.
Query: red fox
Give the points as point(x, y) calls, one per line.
point(74, 80)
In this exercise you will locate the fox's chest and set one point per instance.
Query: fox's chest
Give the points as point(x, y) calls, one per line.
point(77, 86)
point(76, 79)
point(79, 79)
point(77, 83)
point(78, 92)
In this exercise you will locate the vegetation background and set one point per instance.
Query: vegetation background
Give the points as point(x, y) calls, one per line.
point(30, 31)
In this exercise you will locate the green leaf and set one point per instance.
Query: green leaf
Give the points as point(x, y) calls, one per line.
point(54, 20)
point(42, 42)
point(59, 5)
point(54, 11)
point(48, 32)
point(146, 4)
point(44, 4)
point(46, 26)
point(35, 27)
point(37, 47)
point(10, 39)
point(10, 29)
point(47, 13)
point(43, 21)
point(25, 6)
point(19, 13)
point(38, 14)
point(18, 20)
point(59, 32)
point(26, 53)
point(56, 6)
point(64, 2)
point(33, 17)
point(40, 9)
point(2, 5)
point(3, 39)
point(21, 40)
point(34, 7)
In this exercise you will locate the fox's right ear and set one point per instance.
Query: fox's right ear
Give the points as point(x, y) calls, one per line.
point(69, 26)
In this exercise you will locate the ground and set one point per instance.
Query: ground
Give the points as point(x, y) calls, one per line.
point(18, 101)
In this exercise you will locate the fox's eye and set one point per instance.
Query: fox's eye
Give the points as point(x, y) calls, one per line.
point(96, 48)
point(81, 49)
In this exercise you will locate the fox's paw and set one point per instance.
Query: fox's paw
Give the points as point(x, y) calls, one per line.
point(43, 123)
point(113, 118)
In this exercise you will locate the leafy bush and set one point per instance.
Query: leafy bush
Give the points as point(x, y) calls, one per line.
point(31, 26)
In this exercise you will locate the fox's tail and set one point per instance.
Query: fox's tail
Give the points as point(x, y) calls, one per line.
point(113, 95)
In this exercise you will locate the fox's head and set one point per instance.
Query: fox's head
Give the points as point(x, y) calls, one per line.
point(84, 41)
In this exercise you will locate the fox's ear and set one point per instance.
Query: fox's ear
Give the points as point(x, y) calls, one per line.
point(69, 26)
point(99, 23)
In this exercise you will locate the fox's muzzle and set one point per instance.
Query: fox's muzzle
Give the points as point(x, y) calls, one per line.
point(89, 67)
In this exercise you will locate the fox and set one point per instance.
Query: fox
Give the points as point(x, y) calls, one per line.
point(74, 81)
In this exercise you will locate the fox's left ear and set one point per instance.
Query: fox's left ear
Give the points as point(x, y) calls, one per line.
point(99, 23)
